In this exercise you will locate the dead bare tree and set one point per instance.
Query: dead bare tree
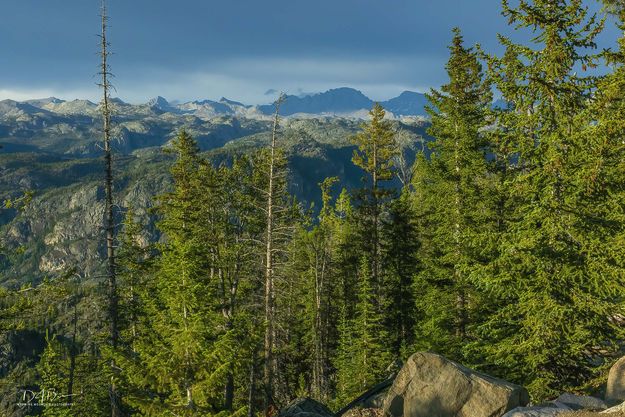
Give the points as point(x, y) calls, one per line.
point(268, 380)
point(407, 143)
point(109, 219)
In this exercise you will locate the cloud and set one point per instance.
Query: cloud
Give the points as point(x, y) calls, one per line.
point(248, 79)
point(22, 94)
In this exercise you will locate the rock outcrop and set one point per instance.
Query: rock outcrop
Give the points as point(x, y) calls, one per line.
point(546, 410)
point(582, 402)
point(305, 407)
point(620, 408)
point(615, 390)
point(430, 385)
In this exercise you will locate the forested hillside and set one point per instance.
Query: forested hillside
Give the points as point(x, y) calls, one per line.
point(61, 226)
point(493, 235)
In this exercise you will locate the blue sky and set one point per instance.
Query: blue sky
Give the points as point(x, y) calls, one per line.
point(193, 49)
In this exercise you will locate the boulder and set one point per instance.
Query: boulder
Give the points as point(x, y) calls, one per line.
point(375, 401)
point(430, 385)
point(364, 412)
point(616, 409)
point(582, 402)
point(305, 407)
point(615, 390)
point(373, 398)
point(544, 410)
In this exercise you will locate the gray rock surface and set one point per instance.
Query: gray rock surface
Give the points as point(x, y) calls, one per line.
point(544, 410)
point(615, 390)
point(582, 402)
point(430, 385)
point(616, 409)
point(305, 407)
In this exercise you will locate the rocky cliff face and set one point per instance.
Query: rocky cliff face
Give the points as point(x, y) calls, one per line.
point(61, 229)
point(56, 154)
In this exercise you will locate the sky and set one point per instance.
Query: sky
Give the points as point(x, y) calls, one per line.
point(240, 49)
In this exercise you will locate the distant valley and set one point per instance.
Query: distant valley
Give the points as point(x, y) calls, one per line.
point(52, 147)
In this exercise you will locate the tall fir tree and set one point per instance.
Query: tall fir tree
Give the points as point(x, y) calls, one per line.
point(173, 349)
point(376, 148)
point(363, 355)
point(400, 244)
point(556, 298)
point(450, 199)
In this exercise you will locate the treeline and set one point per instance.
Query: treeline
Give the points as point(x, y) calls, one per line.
point(504, 250)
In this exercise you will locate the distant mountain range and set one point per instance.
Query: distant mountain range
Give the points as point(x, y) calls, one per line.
point(53, 147)
point(342, 102)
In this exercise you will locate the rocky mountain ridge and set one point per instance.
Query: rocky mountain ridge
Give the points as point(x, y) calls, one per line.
point(52, 148)
point(344, 102)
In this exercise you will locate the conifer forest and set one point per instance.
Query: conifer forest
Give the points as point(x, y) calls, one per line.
point(496, 241)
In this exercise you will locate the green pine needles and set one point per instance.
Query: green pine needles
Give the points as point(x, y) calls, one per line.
point(500, 245)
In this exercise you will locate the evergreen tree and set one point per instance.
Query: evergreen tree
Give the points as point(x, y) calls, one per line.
point(229, 227)
point(54, 377)
point(600, 195)
point(363, 355)
point(279, 215)
point(400, 244)
point(450, 198)
point(549, 273)
point(109, 215)
point(172, 352)
point(376, 148)
point(133, 262)
point(73, 375)
point(313, 256)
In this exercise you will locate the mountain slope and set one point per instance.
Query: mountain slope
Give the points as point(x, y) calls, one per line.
point(62, 164)
point(342, 101)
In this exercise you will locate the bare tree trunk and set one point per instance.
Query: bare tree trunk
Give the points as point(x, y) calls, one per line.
point(268, 375)
point(252, 382)
point(320, 326)
point(228, 312)
point(72, 355)
point(376, 227)
point(108, 217)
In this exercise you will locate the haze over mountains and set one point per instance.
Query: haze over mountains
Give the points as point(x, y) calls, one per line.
point(344, 101)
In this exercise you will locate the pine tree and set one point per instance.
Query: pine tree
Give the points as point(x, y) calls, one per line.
point(229, 227)
point(269, 365)
point(53, 368)
point(172, 352)
point(133, 269)
point(313, 258)
point(400, 245)
point(280, 214)
point(363, 355)
point(550, 272)
point(600, 195)
point(73, 378)
point(450, 197)
point(376, 148)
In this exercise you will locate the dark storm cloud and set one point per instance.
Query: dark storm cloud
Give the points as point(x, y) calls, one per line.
point(197, 48)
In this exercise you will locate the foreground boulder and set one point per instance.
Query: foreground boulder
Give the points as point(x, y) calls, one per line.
point(582, 402)
point(430, 385)
point(615, 390)
point(305, 407)
point(620, 408)
point(373, 398)
point(364, 412)
point(551, 409)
